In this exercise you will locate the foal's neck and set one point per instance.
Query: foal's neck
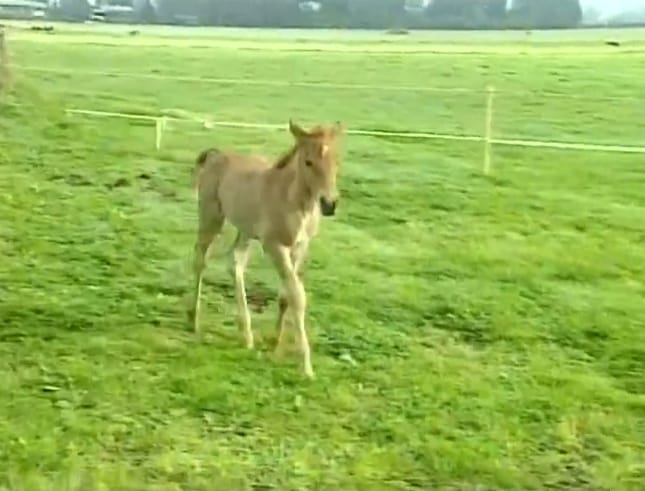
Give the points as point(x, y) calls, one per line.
point(297, 193)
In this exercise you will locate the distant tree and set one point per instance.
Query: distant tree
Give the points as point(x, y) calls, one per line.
point(169, 10)
point(447, 8)
point(538, 14)
point(334, 13)
point(244, 13)
point(375, 14)
point(495, 9)
point(120, 3)
point(415, 4)
point(280, 13)
point(144, 11)
point(370, 14)
point(466, 13)
point(74, 9)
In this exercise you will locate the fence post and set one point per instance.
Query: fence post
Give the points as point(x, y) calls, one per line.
point(488, 135)
point(5, 71)
point(160, 126)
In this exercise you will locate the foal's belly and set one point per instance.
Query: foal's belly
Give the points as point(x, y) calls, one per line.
point(246, 218)
point(241, 203)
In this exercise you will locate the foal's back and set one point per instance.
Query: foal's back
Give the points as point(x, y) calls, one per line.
point(213, 166)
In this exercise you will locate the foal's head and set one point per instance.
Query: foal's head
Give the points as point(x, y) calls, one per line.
point(317, 161)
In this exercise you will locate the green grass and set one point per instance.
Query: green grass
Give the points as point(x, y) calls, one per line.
point(497, 324)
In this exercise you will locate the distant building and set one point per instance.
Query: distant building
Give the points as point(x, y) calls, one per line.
point(120, 10)
point(310, 6)
point(114, 13)
point(22, 9)
point(416, 6)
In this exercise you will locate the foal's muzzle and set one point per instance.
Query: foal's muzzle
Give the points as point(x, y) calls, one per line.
point(328, 208)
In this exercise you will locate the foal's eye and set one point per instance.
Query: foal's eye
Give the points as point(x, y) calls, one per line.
point(309, 163)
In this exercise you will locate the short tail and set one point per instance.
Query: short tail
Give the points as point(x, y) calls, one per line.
point(202, 158)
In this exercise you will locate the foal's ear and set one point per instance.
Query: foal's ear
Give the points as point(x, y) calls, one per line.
point(297, 130)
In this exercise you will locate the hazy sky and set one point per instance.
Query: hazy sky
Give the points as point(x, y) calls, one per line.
point(608, 7)
point(613, 6)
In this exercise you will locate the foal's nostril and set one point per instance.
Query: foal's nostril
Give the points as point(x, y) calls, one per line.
point(328, 208)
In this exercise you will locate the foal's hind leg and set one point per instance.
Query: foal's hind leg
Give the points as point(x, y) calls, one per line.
point(240, 260)
point(210, 225)
point(296, 298)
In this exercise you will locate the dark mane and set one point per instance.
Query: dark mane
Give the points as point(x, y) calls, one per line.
point(286, 158)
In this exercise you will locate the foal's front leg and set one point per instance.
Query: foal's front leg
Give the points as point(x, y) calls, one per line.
point(296, 299)
point(298, 254)
point(240, 260)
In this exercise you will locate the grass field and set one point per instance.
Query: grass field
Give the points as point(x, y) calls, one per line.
point(469, 332)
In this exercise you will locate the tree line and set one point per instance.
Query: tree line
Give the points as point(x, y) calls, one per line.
point(365, 14)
